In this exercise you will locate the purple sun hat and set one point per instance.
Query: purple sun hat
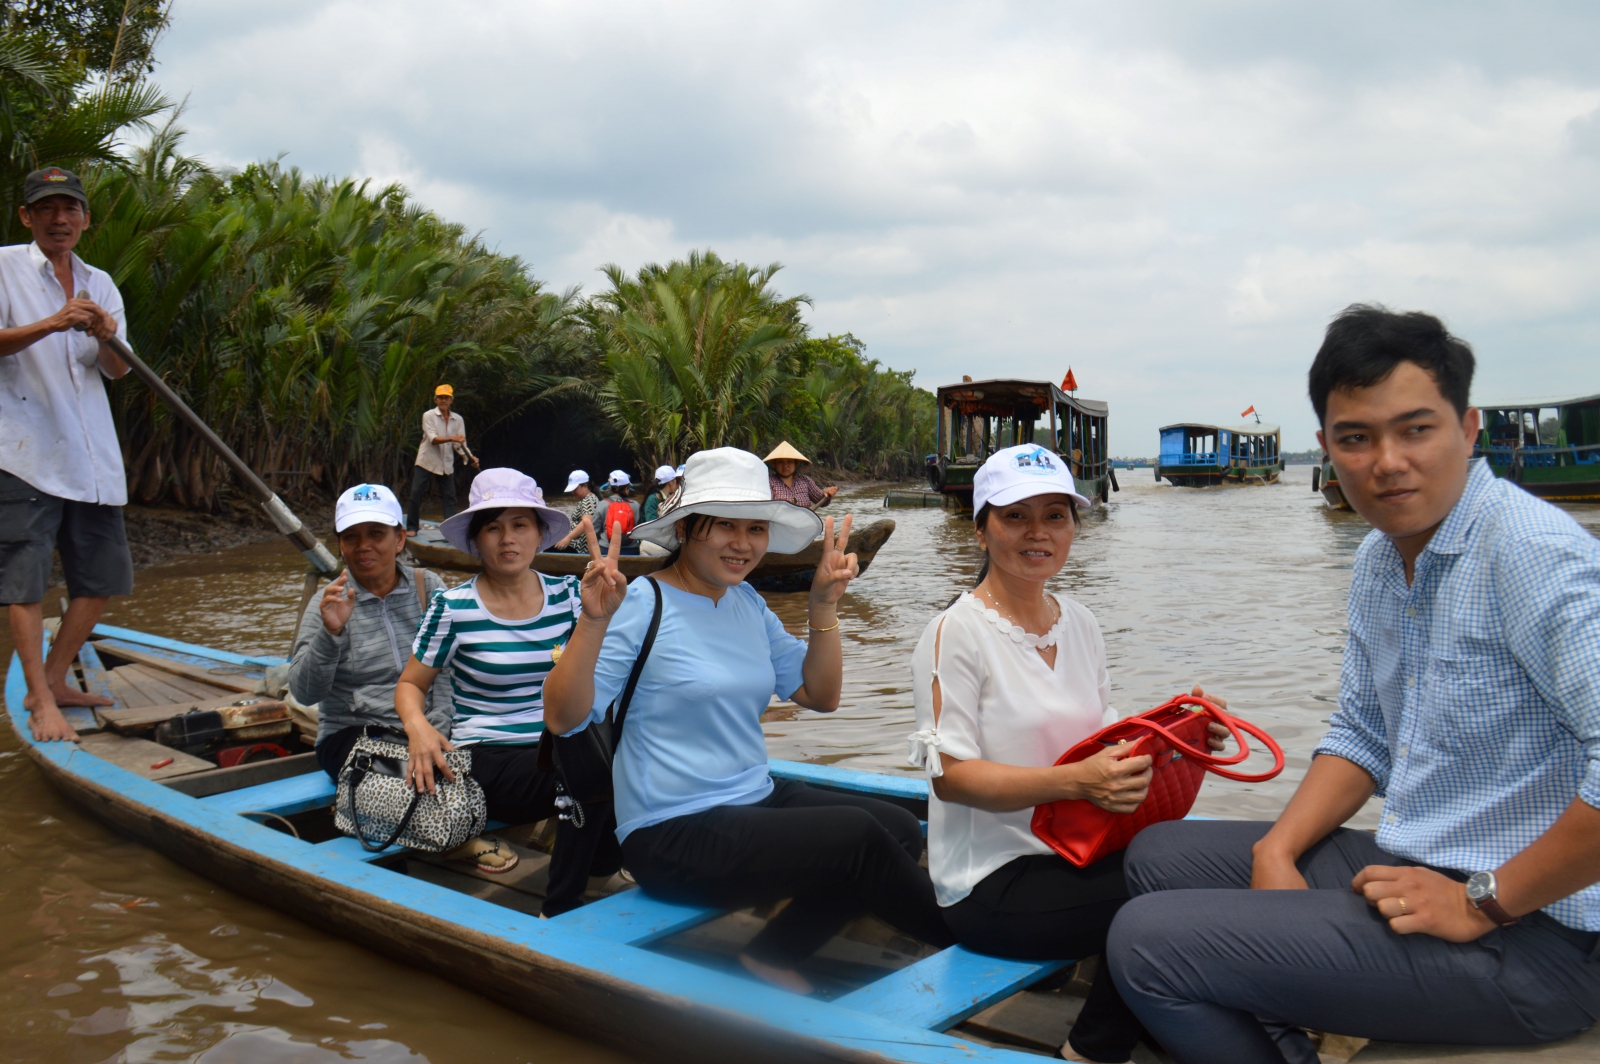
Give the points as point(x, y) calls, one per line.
point(502, 488)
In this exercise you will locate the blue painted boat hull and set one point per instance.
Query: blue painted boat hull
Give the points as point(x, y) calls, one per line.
point(588, 971)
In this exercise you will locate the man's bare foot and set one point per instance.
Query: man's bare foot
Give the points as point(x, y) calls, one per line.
point(66, 695)
point(782, 978)
point(47, 723)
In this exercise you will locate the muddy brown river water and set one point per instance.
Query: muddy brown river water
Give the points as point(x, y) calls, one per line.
point(110, 953)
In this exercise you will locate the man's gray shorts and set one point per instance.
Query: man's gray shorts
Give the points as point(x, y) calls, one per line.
point(91, 538)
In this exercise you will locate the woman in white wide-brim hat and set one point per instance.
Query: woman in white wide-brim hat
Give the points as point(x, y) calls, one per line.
point(700, 817)
point(1004, 681)
point(498, 635)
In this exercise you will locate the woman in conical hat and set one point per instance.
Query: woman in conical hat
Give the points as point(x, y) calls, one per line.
point(789, 485)
point(700, 817)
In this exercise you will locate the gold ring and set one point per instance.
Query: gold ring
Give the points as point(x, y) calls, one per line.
point(1403, 907)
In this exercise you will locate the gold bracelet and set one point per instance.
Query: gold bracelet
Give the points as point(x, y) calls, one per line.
point(814, 628)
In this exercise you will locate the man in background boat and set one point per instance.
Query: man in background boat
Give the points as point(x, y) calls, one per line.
point(790, 485)
point(444, 435)
point(62, 485)
point(1470, 700)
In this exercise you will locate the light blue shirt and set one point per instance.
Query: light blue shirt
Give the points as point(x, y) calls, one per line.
point(1472, 697)
point(692, 740)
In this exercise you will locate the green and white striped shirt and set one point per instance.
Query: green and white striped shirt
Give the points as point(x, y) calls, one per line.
point(497, 667)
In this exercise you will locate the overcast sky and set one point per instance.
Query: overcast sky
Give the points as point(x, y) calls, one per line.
point(1172, 198)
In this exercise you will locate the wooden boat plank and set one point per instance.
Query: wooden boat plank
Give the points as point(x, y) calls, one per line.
point(143, 718)
point(141, 756)
point(217, 780)
point(634, 918)
point(944, 989)
point(161, 643)
point(346, 847)
point(493, 893)
point(153, 688)
point(96, 680)
point(286, 797)
point(1031, 1018)
point(209, 674)
point(880, 785)
point(531, 874)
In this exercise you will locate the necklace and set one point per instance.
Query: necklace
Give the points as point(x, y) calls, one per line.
point(1009, 627)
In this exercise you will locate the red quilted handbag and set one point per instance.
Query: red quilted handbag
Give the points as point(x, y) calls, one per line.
point(1175, 736)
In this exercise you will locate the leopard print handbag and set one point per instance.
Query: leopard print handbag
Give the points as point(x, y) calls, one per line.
point(376, 806)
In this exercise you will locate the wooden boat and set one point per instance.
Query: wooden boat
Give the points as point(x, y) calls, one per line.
point(1325, 478)
point(777, 572)
point(978, 418)
point(1548, 447)
point(645, 976)
point(1197, 455)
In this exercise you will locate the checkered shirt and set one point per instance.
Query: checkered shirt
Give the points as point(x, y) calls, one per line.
point(804, 493)
point(1472, 696)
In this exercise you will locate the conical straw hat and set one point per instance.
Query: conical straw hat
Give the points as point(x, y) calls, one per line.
point(783, 450)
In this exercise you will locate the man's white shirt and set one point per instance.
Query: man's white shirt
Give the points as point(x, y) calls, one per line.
point(56, 431)
point(441, 457)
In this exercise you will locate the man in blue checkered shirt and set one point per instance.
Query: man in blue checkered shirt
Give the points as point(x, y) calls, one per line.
point(1469, 700)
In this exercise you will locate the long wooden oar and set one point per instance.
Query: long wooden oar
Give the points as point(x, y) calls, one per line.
point(290, 525)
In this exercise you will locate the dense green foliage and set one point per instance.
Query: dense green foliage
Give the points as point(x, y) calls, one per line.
point(308, 320)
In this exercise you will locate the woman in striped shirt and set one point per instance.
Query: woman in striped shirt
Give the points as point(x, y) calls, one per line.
point(497, 636)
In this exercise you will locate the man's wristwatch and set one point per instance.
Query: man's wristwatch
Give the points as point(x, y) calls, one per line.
point(1483, 892)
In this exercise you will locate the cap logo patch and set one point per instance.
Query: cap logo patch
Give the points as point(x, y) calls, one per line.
point(55, 175)
point(1037, 461)
point(364, 493)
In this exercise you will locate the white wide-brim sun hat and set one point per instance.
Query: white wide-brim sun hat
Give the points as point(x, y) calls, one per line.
point(504, 489)
point(729, 482)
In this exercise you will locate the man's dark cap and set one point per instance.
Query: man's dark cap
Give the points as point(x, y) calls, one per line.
point(53, 181)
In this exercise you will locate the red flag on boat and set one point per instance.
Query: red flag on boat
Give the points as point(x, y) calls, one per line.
point(1069, 383)
point(1248, 412)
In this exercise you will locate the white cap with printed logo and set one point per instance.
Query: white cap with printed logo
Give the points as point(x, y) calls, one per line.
point(367, 502)
point(1021, 472)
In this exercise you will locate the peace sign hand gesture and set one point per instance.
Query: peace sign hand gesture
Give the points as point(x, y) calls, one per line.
point(603, 587)
point(836, 569)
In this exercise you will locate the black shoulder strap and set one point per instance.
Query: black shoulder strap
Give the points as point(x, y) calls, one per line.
point(638, 665)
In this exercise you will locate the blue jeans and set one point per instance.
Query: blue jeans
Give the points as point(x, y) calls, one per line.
point(1219, 973)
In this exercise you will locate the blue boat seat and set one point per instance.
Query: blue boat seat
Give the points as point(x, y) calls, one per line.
point(634, 918)
point(309, 790)
point(344, 846)
point(940, 991)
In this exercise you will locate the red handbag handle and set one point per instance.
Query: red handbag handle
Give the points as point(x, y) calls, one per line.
point(1211, 761)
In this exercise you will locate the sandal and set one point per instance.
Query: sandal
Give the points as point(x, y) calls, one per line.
point(493, 856)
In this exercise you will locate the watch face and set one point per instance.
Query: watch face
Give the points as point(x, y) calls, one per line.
point(1480, 886)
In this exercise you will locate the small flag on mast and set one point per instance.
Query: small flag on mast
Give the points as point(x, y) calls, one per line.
point(1250, 411)
point(1069, 383)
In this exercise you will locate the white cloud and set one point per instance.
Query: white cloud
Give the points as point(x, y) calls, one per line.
point(1172, 198)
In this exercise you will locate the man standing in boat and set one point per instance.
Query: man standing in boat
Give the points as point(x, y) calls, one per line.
point(1469, 700)
point(444, 435)
point(62, 485)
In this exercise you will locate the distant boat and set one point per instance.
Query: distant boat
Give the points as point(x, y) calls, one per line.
point(978, 418)
point(1326, 479)
point(1548, 447)
point(1195, 455)
point(777, 572)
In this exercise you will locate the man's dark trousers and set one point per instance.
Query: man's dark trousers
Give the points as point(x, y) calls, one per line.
point(1221, 973)
point(422, 482)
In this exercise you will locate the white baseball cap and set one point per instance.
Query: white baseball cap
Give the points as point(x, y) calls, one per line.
point(1021, 472)
point(666, 474)
point(367, 502)
point(576, 477)
point(619, 479)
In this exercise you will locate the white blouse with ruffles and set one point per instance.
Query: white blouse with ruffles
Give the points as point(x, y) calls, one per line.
point(1001, 703)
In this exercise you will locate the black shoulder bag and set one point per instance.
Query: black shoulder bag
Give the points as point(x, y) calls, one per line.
point(582, 760)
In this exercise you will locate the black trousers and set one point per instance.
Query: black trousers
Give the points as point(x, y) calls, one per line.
point(1043, 907)
point(422, 482)
point(1221, 973)
point(516, 791)
point(834, 855)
